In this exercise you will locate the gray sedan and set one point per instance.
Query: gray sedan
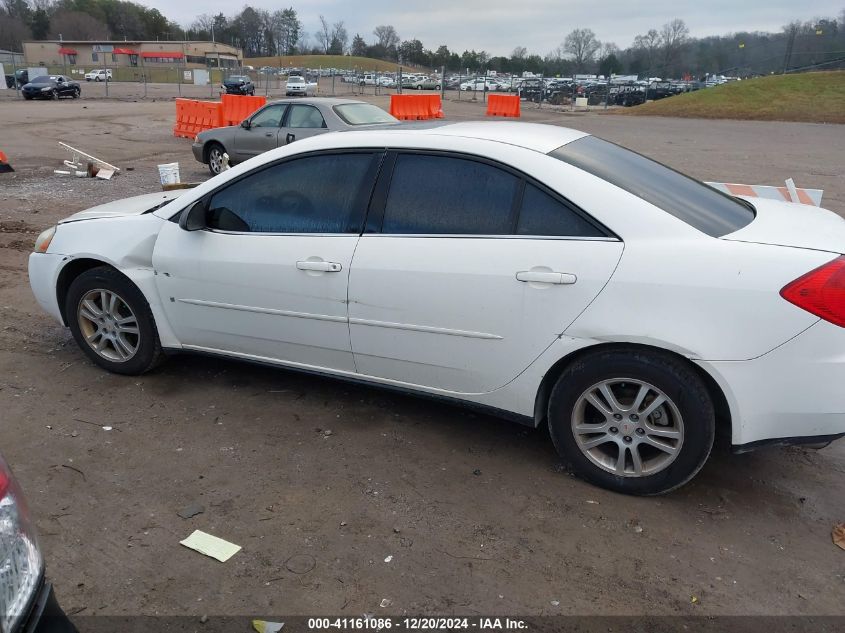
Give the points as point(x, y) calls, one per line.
point(282, 122)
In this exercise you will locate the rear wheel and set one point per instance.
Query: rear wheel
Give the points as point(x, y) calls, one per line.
point(76, 93)
point(112, 323)
point(632, 421)
point(215, 158)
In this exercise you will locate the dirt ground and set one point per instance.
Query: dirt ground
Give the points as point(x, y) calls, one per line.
point(478, 514)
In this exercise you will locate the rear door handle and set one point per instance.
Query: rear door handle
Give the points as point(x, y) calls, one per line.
point(326, 267)
point(546, 278)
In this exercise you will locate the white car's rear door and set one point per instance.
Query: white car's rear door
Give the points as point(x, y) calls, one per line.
point(461, 285)
point(268, 276)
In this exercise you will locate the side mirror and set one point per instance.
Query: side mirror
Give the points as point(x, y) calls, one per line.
point(193, 218)
point(245, 124)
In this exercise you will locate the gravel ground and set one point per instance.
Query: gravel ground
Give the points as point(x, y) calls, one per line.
point(321, 482)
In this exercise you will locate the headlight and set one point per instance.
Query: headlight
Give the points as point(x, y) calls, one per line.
point(21, 564)
point(47, 89)
point(42, 243)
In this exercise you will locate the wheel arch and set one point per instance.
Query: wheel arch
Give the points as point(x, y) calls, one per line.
point(71, 271)
point(724, 419)
point(206, 148)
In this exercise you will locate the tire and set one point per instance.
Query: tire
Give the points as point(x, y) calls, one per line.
point(130, 304)
point(437, 87)
point(684, 424)
point(27, 97)
point(214, 153)
point(54, 95)
point(97, 79)
point(76, 94)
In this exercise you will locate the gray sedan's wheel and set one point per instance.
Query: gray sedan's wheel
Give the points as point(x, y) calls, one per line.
point(632, 420)
point(111, 321)
point(215, 158)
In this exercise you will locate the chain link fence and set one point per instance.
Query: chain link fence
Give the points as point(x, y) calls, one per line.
point(176, 80)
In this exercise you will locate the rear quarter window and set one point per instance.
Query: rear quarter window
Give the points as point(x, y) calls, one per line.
point(689, 200)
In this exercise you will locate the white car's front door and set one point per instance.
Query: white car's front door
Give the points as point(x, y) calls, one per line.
point(462, 285)
point(267, 277)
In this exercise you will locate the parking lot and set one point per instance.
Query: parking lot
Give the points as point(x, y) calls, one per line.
point(345, 497)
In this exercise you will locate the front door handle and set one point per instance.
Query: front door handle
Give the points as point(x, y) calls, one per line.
point(290, 138)
point(326, 267)
point(537, 276)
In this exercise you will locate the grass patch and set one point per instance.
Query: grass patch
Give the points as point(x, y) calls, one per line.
point(345, 62)
point(811, 97)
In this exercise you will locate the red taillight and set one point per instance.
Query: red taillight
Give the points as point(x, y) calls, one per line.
point(821, 292)
point(5, 480)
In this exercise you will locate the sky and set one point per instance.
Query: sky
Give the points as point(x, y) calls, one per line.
point(498, 26)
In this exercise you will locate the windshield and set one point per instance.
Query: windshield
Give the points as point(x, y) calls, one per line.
point(296, 80)
point(238, 78)
point(363, 114)
point(700, 206)
point(43, 79)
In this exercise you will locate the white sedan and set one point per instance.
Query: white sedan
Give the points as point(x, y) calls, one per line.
point(550, 276)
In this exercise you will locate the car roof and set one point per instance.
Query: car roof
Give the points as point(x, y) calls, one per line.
point(533, 136)
point(329, 101)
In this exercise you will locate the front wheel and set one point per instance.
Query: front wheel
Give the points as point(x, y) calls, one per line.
point(215, 158)
point(632, 421)
point(112, 323)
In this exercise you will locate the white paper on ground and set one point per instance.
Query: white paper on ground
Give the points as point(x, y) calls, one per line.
point(211, 546)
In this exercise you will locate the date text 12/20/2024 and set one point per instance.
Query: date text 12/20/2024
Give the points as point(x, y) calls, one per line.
point(418, 624)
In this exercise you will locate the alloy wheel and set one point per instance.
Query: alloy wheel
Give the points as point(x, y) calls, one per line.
point(108, 325)
point(215, 160)
point(627, 427)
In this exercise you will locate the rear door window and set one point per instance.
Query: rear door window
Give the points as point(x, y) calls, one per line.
point(305, 116)
point(543, 214)
point(447, 195)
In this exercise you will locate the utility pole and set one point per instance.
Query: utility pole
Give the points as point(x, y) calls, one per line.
point(789, 44)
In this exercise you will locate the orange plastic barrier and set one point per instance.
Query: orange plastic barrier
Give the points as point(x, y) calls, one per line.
point(192, 117)
point(236, 108)
point(5, 167)
point(503, 105)
point(416, 107)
